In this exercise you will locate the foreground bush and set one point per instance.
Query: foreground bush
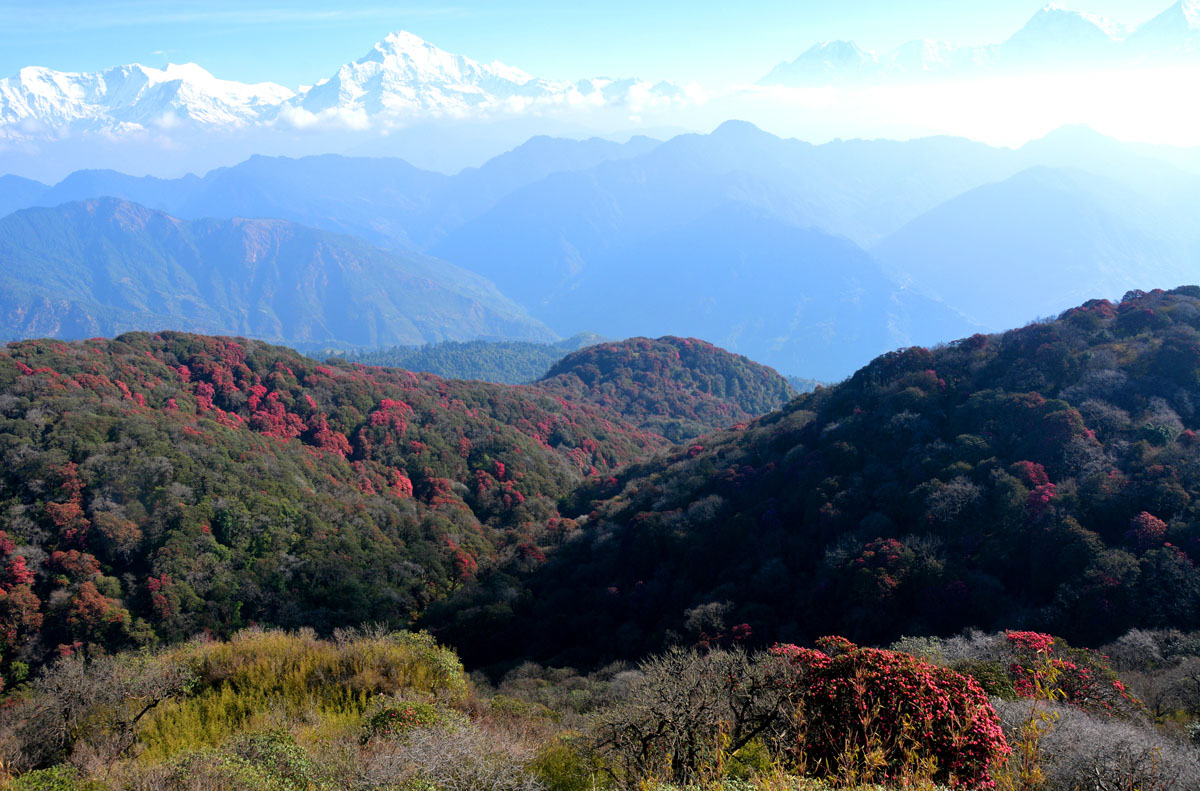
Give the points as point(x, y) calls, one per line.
point(94, 712)
point(870, 715)
point(291, 675)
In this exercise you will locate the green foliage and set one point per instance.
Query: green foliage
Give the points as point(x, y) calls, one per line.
point(276, 755)
point(992, 677)
point(560, 767)
point(56, 778)
point(514, 709)
point(277, 768)
point(393, 720)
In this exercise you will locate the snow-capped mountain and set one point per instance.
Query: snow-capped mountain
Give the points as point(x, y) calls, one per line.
point(129, 97)
point(828, 60)
point(1060, 35)
point(403, 79)
point(927, 56)
point(1054, 38)
point(1174, 32)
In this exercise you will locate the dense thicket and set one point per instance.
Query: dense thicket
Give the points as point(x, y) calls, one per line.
point(1048, 476)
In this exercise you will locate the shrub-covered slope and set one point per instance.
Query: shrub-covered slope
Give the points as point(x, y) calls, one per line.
point(1048, 476)
point(677, 387)
point(155, 486)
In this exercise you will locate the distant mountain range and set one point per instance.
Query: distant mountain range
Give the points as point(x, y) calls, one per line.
point(1055, 38)
point(106, 266)
point(400, 80)
point(808, 258)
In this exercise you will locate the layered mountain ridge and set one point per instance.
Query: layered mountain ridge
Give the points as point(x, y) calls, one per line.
point(810, 258)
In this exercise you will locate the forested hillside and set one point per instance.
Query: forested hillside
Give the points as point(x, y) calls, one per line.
point(1044, 477)
point(156, 486)
point(160, 485)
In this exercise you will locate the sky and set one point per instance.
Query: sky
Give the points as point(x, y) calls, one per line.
point(301, 41)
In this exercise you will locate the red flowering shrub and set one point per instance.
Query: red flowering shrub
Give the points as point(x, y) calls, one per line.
point(862, 699)
point(1147, 531)
point(1031, 642)
point(1045, 666)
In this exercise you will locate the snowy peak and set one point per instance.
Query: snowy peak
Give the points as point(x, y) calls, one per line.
point(401, 79)
point(1056, 37)
point(828, 60)
point(1059, 36)
point(405, 77)
point(1058, 20)
point(130, 96)
point(1175, 31)
point(405, 51)
point(404, 74)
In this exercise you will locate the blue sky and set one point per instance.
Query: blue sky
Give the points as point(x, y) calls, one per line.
point(299, 42)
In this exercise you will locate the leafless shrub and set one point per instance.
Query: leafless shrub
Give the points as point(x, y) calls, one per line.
point(974, 645)
point(88, 710)
point(1081, 752)
point(467, 758)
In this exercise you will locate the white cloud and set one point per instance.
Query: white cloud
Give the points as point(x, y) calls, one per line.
point(1156, 105)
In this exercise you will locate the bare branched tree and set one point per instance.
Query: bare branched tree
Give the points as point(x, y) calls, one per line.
point(92, 707)
point(687, 711)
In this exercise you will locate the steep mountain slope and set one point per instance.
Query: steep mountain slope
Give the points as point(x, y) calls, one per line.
point(1173, 33)
point(862, 189)
point(108, 266)
point(156, 486)
point(676, 387)
point(1045, 239)
point(1044, 478)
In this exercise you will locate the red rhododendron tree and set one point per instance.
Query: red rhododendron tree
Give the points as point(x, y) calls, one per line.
point(883, 716)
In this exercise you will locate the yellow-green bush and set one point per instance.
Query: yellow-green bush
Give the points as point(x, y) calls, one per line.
point(57, 778)
point(263, 678)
